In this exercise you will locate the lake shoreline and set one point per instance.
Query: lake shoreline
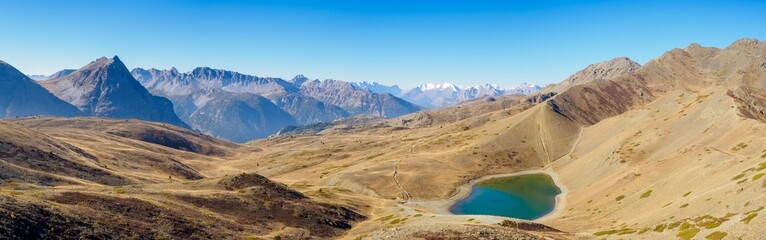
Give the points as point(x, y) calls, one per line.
point(443, 206)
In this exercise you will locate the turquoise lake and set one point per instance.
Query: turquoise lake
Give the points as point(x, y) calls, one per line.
point(528, 197)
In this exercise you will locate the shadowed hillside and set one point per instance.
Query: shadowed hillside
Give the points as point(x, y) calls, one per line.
point(20, 96)
point(107, 178)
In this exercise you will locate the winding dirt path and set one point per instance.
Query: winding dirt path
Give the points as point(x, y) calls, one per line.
point(549, 162)
point(398, 184)
point(541, 132)
point(396, 171)
point(579, 136)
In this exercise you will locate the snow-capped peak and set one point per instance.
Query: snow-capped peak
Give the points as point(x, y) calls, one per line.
point(524, 86)
point(439, 86)
point(433, 95)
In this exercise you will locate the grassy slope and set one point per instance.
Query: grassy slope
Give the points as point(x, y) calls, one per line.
point(647, 139)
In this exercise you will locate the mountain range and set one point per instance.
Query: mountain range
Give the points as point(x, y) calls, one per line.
point(671, 149)
point(231, 105)
point(297, 101)
point(307, 101)
point(437, 95)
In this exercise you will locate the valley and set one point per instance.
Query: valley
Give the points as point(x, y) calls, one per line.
point(665, 150)
point(383, 120)
point(669, 123)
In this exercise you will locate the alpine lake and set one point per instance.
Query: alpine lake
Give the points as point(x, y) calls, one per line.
point(528, 197)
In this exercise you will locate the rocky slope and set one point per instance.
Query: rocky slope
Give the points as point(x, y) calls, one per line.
point(601, 70)
point(308, 110)
point(357, 100)
point(239, 117)
point(305, 101)
point(667, 150)
point(20, 96)
point(106, 88)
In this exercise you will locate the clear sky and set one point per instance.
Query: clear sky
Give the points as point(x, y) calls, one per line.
point(403, 42)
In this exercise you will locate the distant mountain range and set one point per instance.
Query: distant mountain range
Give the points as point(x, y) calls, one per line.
point(307, 101)
point(221, 103)
point(199, 95)
point(437, 95)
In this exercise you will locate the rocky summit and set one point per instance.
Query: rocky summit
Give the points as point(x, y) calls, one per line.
point(106, 88)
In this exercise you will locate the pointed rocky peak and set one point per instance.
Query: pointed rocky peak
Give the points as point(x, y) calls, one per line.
point(116, 61)
point(174, 71)
point(602, 70)
point(299, 79)
point(104, 62)
point(102, 71)
point(106, 88)
point(101, 62)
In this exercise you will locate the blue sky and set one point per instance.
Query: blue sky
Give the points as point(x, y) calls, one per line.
point(393, 42)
